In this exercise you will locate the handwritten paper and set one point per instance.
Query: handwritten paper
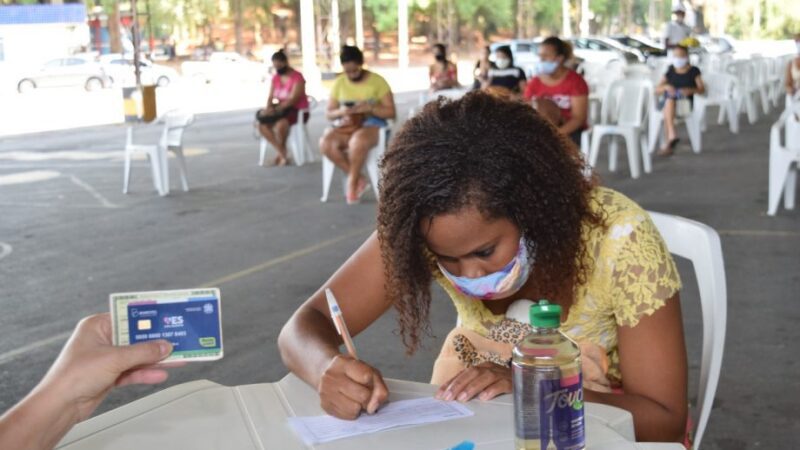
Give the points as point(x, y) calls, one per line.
point(404, 413)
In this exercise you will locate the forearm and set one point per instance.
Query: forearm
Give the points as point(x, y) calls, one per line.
point(383, 112)
point(38, 422)
point(653, 421)
point(572, 125)
point(333, 114)
point(308, 343)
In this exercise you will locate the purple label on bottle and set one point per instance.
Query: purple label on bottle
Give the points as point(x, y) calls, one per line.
point(561, 413)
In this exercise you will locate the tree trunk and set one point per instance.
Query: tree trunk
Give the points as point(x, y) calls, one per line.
point(237, 25)
point(114, 35)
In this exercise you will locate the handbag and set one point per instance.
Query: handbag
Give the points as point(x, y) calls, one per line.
point(683, 107)
point(268, 117)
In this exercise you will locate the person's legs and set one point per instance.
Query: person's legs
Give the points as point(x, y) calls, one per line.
point(363, 140)
point(281, 130)
point(332, 145)
point(669, 128)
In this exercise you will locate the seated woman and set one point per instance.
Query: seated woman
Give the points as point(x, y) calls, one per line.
point(286, 96)
point(559, 93)
point(681, 82)
point(493, 222)
point(443, 74)
point(793, 71)
point(361, 101)
point(482, 67)
point(506, 75)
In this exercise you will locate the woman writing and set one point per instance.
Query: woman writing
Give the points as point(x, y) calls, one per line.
point(494, 222)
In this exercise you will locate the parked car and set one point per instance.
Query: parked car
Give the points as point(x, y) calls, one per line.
point(603, 50)
point(225, 66)
point(525, 51)
point(647, 47)
point(74, 71)
point(121, 71)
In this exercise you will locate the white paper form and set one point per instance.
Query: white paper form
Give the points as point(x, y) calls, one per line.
point(404, 413)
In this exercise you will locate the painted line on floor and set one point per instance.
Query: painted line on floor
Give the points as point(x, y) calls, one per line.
point(5, 250)
point(287, 257)
point(28, 177)
point(91, 190)
point(759, 233)
point(60, 338)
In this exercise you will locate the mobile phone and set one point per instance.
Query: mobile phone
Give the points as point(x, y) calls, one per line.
point(349, 104)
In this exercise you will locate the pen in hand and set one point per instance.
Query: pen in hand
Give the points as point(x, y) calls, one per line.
point(338, 322)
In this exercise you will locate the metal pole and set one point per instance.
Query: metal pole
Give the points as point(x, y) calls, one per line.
point(585, 17)
point(136, 45)
point(336, 40)
point(310, 69)
point(402, 33)
point(359, 24)
point(152, 41)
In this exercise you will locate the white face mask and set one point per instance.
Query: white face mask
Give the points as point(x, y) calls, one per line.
point(679, 63)
point(503, 63)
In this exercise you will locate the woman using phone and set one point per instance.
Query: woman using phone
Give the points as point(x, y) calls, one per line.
point(360, 104)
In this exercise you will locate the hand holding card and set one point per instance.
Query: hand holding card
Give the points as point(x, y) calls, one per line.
point(191, 320)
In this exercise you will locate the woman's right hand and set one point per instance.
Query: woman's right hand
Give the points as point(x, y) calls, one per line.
point(349, 386)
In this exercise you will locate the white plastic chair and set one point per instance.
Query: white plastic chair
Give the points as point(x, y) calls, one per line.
point(782, 158)
point(425, 97)
point(721, 89)
point(176, 123)
point(638, 71)
point(624, 113)
point(156, 154)
point(700, 244)
point(745, 74)
point(298, 141)
point(762, 68)
point(371, 164)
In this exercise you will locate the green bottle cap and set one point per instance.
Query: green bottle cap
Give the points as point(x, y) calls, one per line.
point(545, 315)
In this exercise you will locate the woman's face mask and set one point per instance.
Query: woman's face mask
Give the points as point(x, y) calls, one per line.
point(503, 63)
point(546, 67)
point(501, 284)
point(679, 63)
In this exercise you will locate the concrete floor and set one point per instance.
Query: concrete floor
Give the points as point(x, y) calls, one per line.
point(263, 237)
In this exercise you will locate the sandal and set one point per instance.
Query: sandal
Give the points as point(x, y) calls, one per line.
point(354, 198)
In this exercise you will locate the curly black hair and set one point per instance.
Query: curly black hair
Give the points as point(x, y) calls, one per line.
point(500, 156)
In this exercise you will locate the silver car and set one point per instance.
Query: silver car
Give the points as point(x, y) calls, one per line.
point(73, 71)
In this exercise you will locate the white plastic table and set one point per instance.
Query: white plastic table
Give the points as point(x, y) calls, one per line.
point(205, 415)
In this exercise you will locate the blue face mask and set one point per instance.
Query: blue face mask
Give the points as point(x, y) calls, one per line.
point(546, 67)
point(679, 63)
point(501, 284)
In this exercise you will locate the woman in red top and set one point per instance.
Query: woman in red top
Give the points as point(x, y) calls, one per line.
point(286, 97)
point(443, 74)
point(560, 94)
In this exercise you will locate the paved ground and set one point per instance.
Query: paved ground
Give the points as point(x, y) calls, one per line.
point(262, 235)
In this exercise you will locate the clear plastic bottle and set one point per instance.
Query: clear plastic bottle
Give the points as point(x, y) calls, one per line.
point(548, 386)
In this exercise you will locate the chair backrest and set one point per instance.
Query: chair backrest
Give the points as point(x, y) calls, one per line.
point(744, 71)
point(626, 102)
point(176, 122)
point(719, 86)
point(700, 244)
point(638, 71)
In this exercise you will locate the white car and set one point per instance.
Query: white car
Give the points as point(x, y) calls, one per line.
point(74, 71)
point(121, 70)
point(598, 50)
point(226, 66)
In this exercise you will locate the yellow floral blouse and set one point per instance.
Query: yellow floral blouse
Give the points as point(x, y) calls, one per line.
point(632, 275)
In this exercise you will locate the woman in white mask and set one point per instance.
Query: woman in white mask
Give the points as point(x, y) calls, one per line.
point(482, 197)
point(679, 84)
point(793, 70)
point(505, 75)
